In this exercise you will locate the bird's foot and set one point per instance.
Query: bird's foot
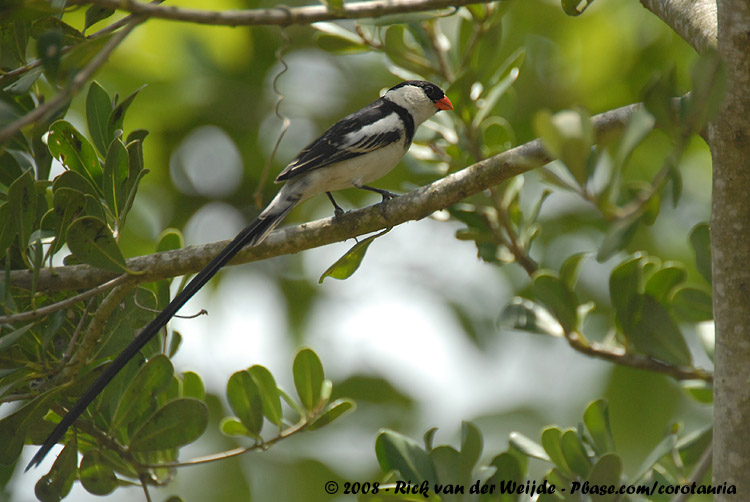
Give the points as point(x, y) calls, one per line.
point(337, 210)
point(383, 193)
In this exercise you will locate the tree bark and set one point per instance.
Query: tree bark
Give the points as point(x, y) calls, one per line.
point(729, 139)
point(693, 20)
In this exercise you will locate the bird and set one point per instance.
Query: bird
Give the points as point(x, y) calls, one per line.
point(357, 150)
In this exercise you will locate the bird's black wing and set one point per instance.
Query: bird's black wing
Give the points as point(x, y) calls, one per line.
point(340, 142)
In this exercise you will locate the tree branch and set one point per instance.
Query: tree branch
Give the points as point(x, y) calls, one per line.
point(279, 15)
point(730, 241)
point(693, 20)
point(624, 358)
point(415, 205)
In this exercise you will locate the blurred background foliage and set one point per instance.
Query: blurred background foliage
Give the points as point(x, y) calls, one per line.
point(414, 337)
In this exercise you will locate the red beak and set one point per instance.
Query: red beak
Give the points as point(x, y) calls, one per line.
point(444, 103)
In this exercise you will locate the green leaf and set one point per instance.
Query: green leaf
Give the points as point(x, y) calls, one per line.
point(308, 378)
point(245, 399)
point(175, 424)
point(56, 484)
point(596, 419)
point(74, 151)
point(657, 98)
point(333, 38)
point(117, 117)
point(22, 202)
point(95, 13)
point(332, 412)
point(68, 204)
point(567, 135)
point(98, 109)
point(74, 181)
point(23, 84)
point(232, 427)
point(710, 82)
point(428, 437)
point(640, 124)
point(8, 230)
point(552, 444)
point(626, 286)
point(91, 241)
point(10, 338)
point(570, 268)
point(350, 262)
point(97, 476)
point(663, 281)
point(700, 239)
point(528, 447)
point(334, 4)
point(507, 469)
point(699, 390)
point(575, 7)
point(511, 70)
point(396, 452)
point(693, 305)
point(574, 453)
point(152, 378)
point(693, 446)
point(14, 427)
point(402, 54)
point(169, 240)
point(653, 332)
point(115, 178)
point(663, 448)
point(49, 51)
point(607, 471)
point(136, 311)
point(136, 170)
point(192, 386)
point(525, 315)
point(619, 235)
point(471, 447)
point(447, 464)
point(561, 301)
point(269, 393)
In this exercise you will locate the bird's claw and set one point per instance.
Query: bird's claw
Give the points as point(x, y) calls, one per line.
point(387, 195)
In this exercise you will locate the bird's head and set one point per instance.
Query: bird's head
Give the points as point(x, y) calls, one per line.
point(421, 98)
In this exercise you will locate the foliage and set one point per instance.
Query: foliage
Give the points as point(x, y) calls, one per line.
point(74, 186)
point(580, 464)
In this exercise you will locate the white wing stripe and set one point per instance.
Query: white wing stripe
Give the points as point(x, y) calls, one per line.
point(389, 123)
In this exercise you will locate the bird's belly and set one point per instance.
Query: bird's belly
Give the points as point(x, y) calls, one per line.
point(354, 172)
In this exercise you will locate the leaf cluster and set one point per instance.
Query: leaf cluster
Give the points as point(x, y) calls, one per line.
point(584, 454)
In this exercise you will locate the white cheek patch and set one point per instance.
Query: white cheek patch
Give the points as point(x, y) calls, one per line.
point(390, 122)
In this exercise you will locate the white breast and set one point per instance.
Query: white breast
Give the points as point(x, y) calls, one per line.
point(350, 173)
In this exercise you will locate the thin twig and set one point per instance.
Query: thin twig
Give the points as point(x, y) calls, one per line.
point(624, 358)
point(275, 16)
point(49, 309)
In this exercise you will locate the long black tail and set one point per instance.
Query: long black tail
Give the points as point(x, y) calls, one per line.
point(251, 235)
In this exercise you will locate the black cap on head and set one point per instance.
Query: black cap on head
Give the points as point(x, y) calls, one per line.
point(431, 90)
